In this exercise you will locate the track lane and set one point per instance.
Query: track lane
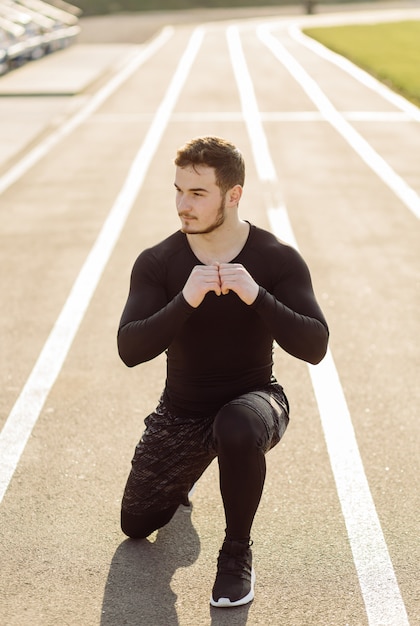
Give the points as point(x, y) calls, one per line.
point(409, 267)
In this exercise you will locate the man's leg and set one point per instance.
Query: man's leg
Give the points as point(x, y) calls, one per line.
point(244, 430)
point(240, 435)
point(171, 455)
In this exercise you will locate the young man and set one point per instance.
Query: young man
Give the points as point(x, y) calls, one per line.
point(214, 296)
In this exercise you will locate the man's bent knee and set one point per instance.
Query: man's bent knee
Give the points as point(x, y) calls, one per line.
point(141, 526)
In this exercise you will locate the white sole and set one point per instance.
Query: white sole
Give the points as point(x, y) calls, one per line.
point(226, 603)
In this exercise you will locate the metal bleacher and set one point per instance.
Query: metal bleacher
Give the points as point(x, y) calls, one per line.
point(31, 29)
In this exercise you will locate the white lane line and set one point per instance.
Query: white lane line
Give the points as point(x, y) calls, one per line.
point(356, 72)
point(257, 136)
point(389, 177)
point(45, 146)
point(379, 586)
point(28, 406)
point(378, 583)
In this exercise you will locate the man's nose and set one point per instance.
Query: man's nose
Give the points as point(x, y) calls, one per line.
point(183, 204)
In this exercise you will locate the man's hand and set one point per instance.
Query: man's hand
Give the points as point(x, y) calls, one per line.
point(233, 276)
point(203, 278)
point(220, 278)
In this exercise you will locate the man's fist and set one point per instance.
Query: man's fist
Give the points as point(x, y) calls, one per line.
point(234, 277)
point(220, 278)
point(203, 278)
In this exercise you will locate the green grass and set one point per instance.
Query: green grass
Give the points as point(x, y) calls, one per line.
point(390, 52)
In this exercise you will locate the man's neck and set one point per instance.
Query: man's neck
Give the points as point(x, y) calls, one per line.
point(222, 245)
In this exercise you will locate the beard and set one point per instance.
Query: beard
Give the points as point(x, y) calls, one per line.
point(218, 221)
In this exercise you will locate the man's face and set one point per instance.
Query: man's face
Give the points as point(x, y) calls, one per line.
point(199, 202)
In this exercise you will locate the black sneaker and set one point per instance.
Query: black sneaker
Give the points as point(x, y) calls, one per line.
point(234, 584)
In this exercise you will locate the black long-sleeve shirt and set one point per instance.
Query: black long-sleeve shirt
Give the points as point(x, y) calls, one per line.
point(224, 347)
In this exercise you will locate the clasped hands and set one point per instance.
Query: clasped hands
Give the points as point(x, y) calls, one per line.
point(220, 278)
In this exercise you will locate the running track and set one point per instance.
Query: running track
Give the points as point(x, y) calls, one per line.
point(332, 169)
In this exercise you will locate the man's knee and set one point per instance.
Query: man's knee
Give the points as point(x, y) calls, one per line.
point(141, 526)
point(238, 427)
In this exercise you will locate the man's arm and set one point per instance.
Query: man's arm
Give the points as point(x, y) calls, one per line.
point(301, 335)
point(149, 322)
point(292, 312)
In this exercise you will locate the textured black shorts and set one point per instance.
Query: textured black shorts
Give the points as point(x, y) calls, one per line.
point(174, 451)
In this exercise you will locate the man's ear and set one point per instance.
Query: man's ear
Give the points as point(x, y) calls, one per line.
point(234, 195)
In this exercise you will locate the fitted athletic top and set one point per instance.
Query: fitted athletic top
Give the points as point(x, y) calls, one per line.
point(224, 347)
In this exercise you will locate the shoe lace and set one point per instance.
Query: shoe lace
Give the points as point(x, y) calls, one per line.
point(236, 564)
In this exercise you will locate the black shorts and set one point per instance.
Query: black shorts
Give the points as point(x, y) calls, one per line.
point(174, 451)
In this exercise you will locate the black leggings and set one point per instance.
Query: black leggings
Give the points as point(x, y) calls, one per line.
point(241, 437)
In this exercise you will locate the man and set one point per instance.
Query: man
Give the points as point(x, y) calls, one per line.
point(214, 296)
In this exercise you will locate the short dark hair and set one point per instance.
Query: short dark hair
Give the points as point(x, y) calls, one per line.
point(209, 151)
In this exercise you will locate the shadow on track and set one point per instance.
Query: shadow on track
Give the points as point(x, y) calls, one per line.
point(138, 591)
